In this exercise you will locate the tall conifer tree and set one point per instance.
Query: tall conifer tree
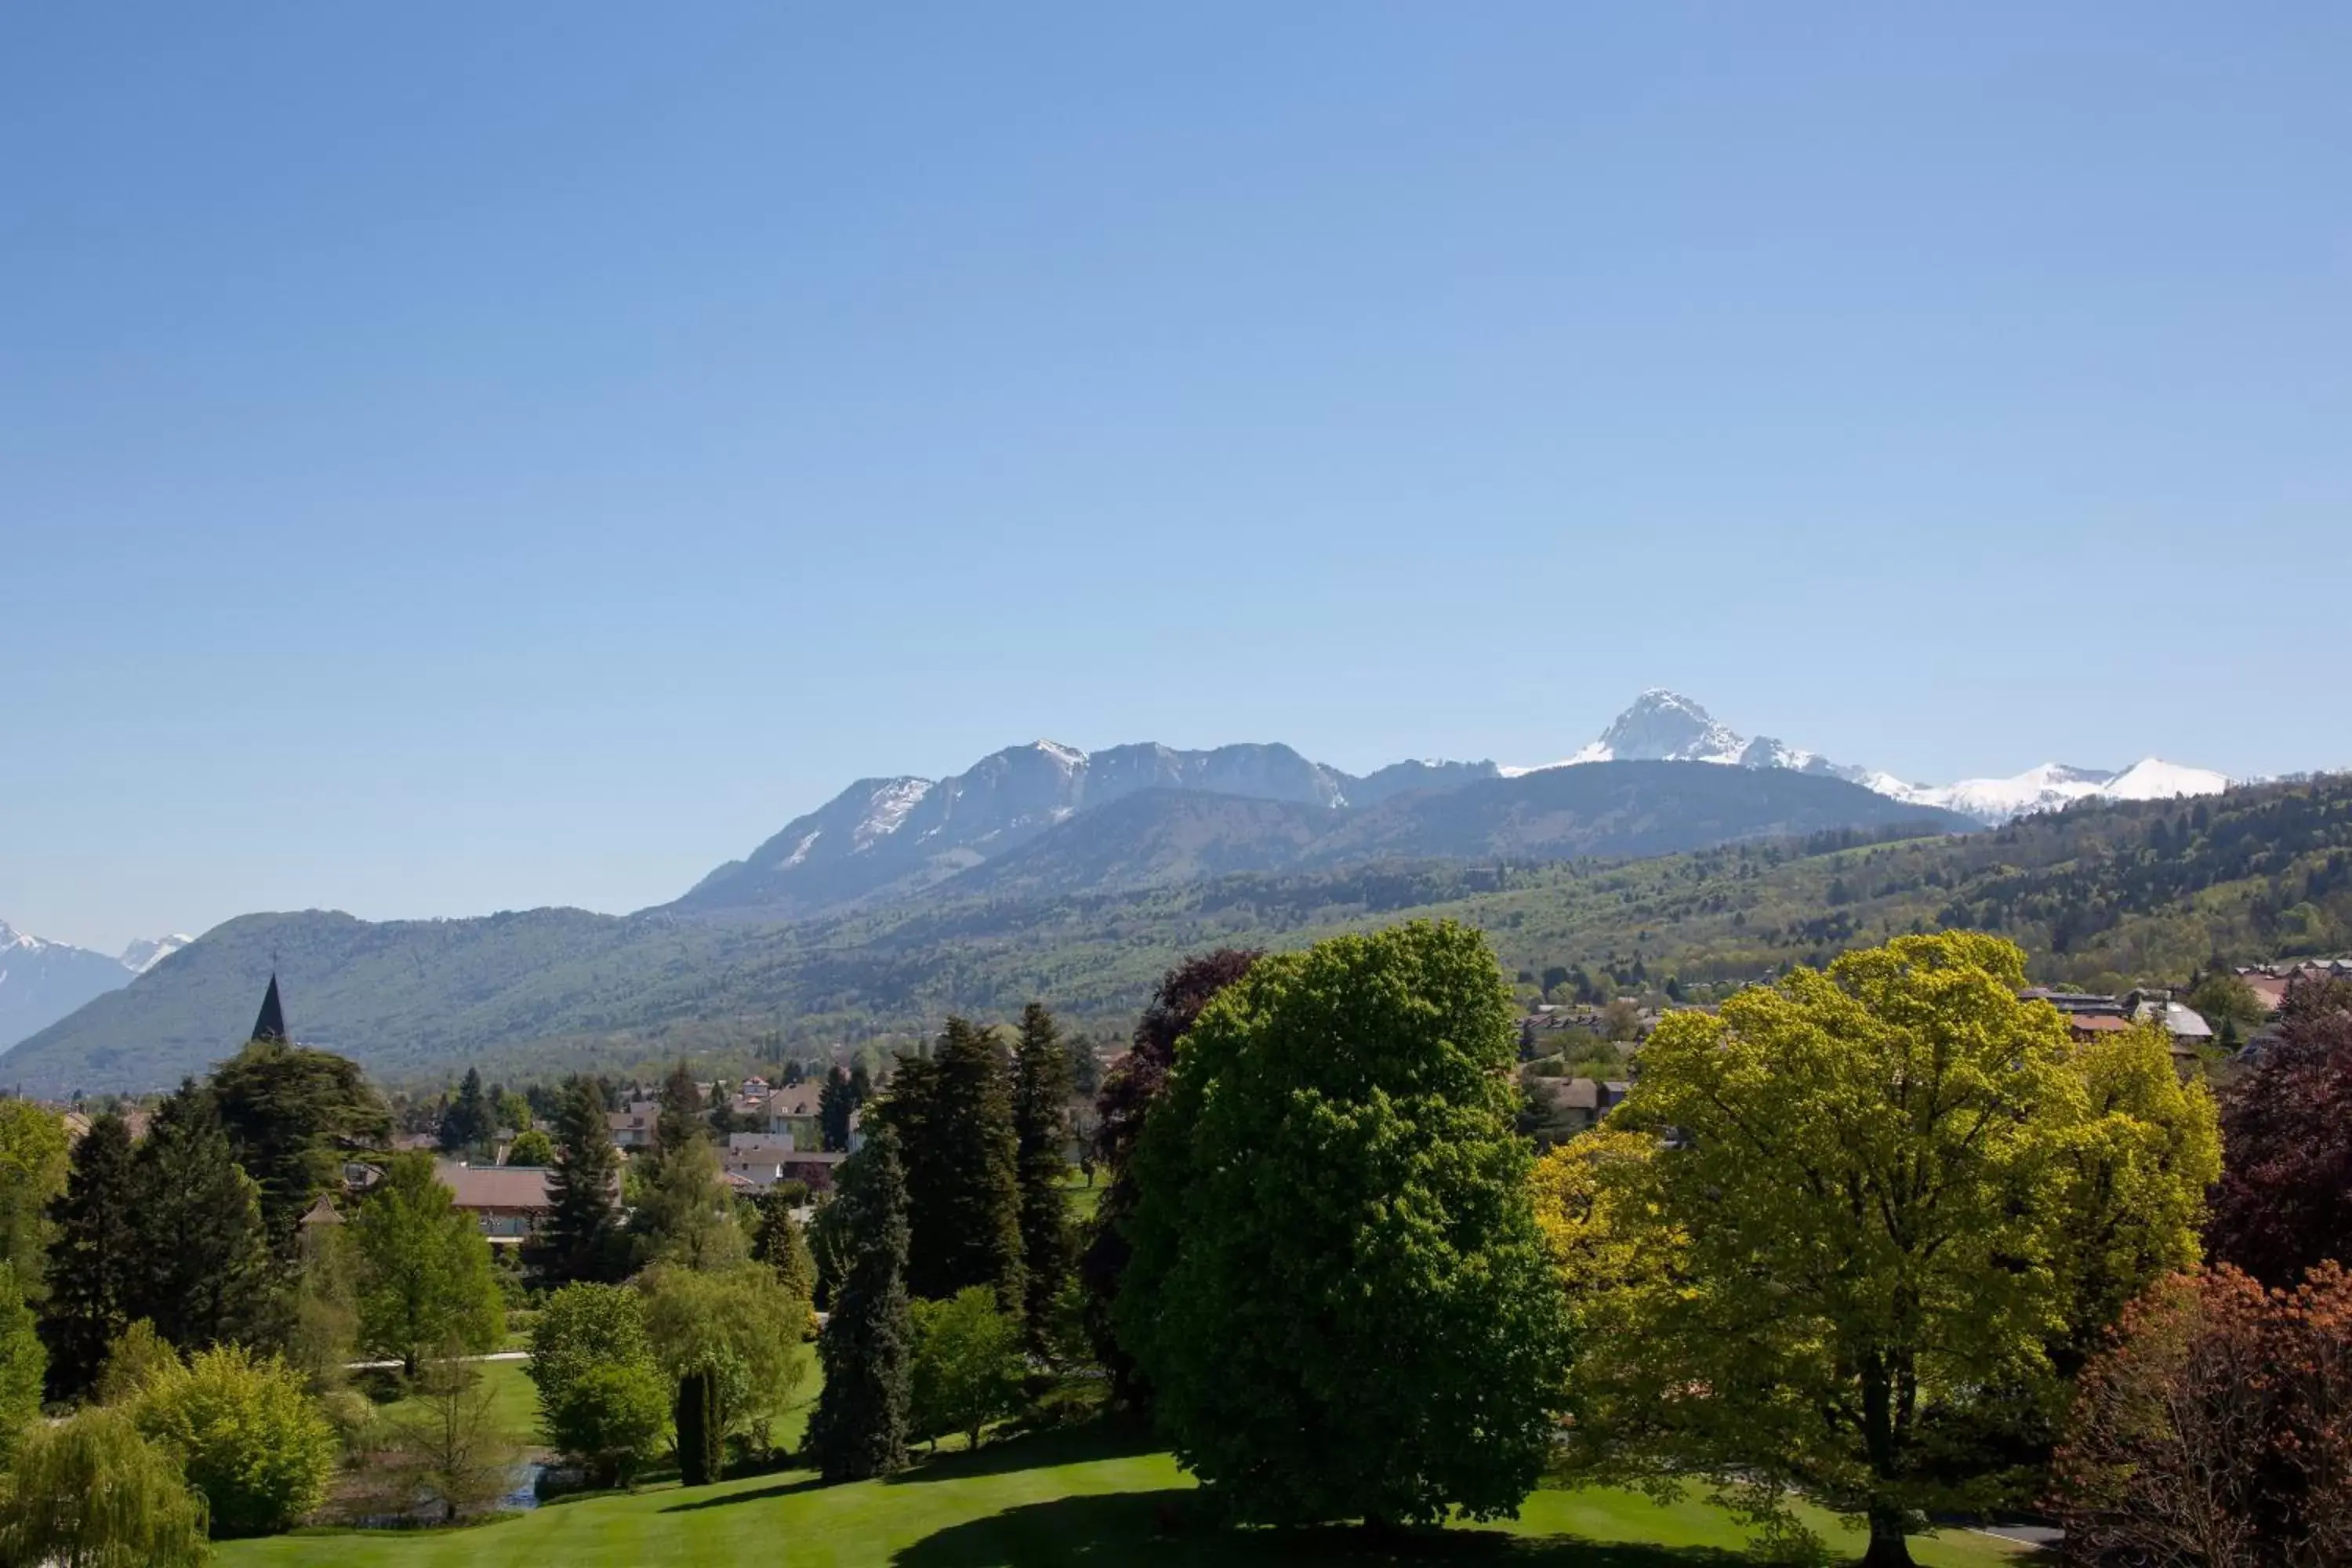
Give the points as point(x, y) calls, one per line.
point(469, 1122)
point(679, 1122)
point(201, 1273)
point(954, 1114)
point(93, 1258)
point(859, 1426)
point(581, 1239)
point(1041, 1096)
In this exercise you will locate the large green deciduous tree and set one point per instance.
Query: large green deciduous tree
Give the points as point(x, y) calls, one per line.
point(1124, 1101)
point(1041, 1125)
point(1338, 1291)
point(743, 1328)
point(859, 1426)
point(601, 1395)
point(425, 1281)
point(967, 1366)
point(1878, 1195)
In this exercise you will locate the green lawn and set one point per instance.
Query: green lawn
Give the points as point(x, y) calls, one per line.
point(515, 1400)
point(1080, 1498)
point(1083, 1197)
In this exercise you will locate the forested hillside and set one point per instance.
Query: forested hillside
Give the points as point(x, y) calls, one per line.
point(2102, 894)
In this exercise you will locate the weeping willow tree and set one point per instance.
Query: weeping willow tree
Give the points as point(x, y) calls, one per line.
point(92, 1493)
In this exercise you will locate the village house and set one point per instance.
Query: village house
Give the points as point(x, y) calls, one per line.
point(2090, 1015)
point(791, 1112)
point(507, 1201)
point(634, 1127)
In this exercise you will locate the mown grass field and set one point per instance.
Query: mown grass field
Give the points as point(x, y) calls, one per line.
point(1088, 1497)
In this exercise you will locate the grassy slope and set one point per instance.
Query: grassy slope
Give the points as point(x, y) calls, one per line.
point(1070, 1499)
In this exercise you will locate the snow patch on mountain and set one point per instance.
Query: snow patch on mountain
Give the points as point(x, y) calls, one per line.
point(886, 812)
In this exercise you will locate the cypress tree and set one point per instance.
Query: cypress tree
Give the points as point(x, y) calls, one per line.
point(859, 1426)
point(1041, 1122)
point(582, 1239)
point(201, 1273)
point(701, 1448)
point(93, 1259)
point(834, 1102)
point(953, 1115)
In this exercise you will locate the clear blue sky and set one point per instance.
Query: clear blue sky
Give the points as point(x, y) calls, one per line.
point(457, 458)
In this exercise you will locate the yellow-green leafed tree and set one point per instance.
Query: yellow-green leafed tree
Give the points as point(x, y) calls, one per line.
point(1868, 1196)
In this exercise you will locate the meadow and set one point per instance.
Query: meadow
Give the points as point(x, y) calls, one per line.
point(1092, 1496)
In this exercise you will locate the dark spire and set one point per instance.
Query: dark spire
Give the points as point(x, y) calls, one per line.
point(271, 1025)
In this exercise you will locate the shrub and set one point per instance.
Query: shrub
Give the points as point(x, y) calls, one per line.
point(611, 1419)
point(249, 1436)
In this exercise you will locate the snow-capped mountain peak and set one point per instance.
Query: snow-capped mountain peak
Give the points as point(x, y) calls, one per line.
point(42, 981)
point(1664, 726)
point(148, 952)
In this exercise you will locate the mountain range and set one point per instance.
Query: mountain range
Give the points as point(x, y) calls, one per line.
point(1028, 826)
point(890, 837)
point(42, 982)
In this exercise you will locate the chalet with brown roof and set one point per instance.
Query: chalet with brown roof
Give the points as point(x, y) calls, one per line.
point(508, 1202)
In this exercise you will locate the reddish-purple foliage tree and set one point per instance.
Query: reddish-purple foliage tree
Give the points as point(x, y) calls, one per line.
point(1127, 1097)
point(2285, 1204)
point(2217, 1428)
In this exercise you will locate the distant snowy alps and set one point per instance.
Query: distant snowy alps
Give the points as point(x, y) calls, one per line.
point(1663, 726)
point(41, 981)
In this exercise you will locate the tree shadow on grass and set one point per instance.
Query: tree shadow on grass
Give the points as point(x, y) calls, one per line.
point(755, 1494)
point(1171, 1528)
point(1038, 1450)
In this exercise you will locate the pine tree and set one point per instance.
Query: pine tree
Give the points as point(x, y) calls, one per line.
point(680, 1121)
point(953, 1115)
point(859, 1426)
point(468, 1122)
point(1041, 1122)
point(581, 1239)
point(201, 1273)
point(93, 1258)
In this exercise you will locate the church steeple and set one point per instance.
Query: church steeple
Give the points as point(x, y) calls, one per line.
point(271, 1025)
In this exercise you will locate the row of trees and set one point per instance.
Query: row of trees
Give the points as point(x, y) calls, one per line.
point(171, 1288)
point(947, 1250)
point(1867, 1237)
